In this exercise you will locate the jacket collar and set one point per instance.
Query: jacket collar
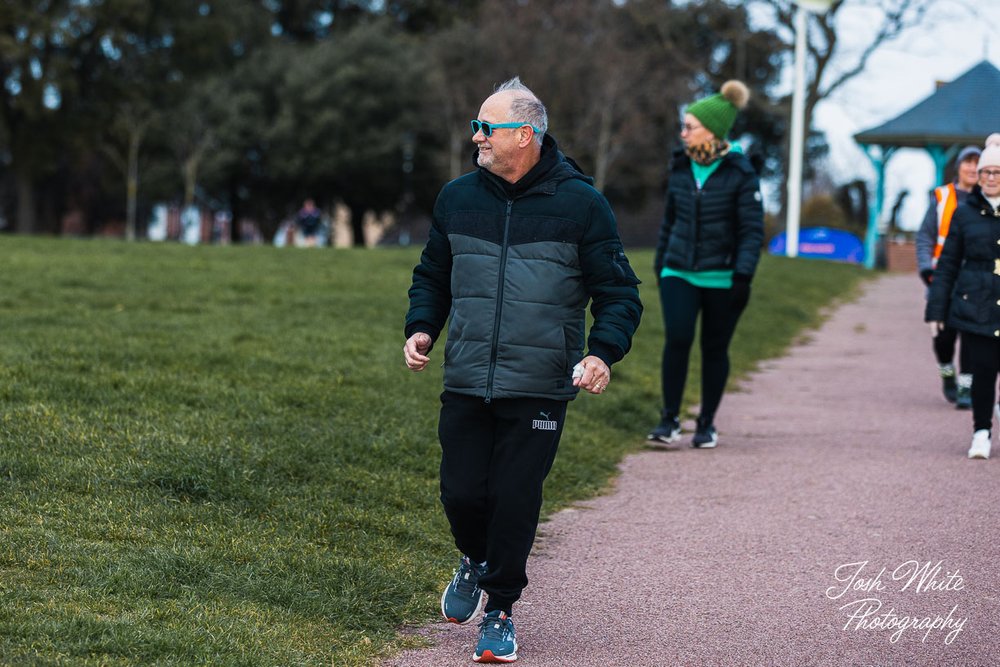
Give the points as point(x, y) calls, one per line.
point(978, 200)
point(551, 169)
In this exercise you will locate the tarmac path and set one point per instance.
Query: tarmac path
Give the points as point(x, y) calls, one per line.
point(839, 486)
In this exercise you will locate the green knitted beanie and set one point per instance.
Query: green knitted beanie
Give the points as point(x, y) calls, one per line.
point(718, 112)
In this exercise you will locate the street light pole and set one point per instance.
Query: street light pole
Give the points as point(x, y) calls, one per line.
point(794, 207)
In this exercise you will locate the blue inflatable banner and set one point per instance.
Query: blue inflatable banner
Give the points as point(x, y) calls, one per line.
point(822, 243)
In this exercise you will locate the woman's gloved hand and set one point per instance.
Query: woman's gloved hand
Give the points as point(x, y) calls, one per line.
point(740, 291)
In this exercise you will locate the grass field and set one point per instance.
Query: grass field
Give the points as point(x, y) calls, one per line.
point(215, 455)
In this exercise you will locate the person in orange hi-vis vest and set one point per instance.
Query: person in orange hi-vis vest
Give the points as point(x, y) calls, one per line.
point(930, 240)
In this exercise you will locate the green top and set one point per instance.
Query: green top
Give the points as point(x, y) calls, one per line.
point(720, 278)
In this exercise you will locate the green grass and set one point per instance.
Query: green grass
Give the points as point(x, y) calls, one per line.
point(215, 456)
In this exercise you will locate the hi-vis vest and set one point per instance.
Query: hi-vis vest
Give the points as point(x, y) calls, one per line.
point(947, 202)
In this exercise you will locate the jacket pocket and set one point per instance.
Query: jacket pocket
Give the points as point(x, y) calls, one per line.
point(624, 275)
point(971, 301)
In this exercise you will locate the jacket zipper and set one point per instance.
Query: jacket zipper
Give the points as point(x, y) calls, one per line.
point(697, 227)
point(494, 343)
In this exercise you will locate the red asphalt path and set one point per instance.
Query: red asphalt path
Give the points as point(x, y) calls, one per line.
point(841, 475)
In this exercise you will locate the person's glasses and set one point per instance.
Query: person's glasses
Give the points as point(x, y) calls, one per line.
point(990, 173)
point(687, 127)
point(487, 128)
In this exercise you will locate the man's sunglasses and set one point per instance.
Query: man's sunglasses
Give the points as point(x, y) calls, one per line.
point(488, 128)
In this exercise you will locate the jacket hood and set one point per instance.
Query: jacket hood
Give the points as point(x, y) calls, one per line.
point(552, 168)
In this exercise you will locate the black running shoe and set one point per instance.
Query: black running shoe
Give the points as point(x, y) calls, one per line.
point(705, 436)
point(667, 431)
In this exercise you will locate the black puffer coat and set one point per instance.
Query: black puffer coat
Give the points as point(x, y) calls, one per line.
point(718, 227)
point(512, 268)
point(966, 288)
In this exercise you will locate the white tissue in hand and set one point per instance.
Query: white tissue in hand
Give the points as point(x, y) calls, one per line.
point(578, 371)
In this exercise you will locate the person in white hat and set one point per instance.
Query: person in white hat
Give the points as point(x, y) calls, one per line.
point(965, 292)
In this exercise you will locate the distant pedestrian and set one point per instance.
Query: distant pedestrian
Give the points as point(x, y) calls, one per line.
point(517, 250)
point(309, 219)
point(707, 254)
point(965, 292)
point(945, 199)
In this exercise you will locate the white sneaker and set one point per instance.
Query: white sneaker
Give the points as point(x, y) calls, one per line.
point(980, 448)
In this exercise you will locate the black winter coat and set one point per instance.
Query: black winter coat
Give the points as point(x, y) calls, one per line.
point(513, 267)
point(718, 227)
point(966, 289)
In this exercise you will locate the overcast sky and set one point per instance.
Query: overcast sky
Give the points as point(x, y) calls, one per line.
point(953, 39)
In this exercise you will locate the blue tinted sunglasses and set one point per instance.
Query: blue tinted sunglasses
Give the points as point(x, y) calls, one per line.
point(488, 128)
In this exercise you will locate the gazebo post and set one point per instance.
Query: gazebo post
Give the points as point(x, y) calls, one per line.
point(941, 156)
point(878, 155)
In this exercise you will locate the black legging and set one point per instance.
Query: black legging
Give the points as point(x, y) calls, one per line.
point(984, 364)
point(944, 349)
point(681, 303)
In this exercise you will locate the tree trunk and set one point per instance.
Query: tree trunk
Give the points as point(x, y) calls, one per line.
point(455, 154)
point(27, 215)
point(190, 170)
point(602, 159)
point(357, 226)
point(235, 211)
point(132, 183)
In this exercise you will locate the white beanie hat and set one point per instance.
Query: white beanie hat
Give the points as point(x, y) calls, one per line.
point(990, 157)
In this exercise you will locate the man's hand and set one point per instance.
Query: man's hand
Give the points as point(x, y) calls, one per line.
point(936, 328)
point(415, 351)
point(595, 375)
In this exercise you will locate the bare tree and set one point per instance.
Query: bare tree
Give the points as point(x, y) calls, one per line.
point(130, 126)
point(830, 65)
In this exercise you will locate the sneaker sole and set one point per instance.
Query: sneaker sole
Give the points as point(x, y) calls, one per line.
point(488, 656)
point(479, 608)
point(978, 455)
point(662, 439)
point(711, 444)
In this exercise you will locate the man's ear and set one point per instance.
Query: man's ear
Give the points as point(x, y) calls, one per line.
point(526, 137)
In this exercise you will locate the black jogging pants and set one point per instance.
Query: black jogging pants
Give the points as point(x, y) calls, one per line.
point(494, 458)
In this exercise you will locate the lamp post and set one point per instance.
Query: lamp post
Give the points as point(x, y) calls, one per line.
point(794, 207)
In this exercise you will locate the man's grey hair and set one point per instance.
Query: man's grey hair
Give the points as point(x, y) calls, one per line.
point(526, 107)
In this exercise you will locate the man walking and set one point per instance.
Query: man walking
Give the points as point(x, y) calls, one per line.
point(930, 240)
point(517, 250)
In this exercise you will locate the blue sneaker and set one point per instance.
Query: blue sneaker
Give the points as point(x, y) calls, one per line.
point(497, 642)
point(463, 598)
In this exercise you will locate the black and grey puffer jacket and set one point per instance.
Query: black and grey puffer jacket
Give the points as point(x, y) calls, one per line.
point(720, 226)
point(514, 267)
point(965, 292)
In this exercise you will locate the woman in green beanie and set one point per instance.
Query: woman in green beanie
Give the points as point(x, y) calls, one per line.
point(707, 253)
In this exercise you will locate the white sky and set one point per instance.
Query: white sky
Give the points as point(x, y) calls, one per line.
point(953, 38)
